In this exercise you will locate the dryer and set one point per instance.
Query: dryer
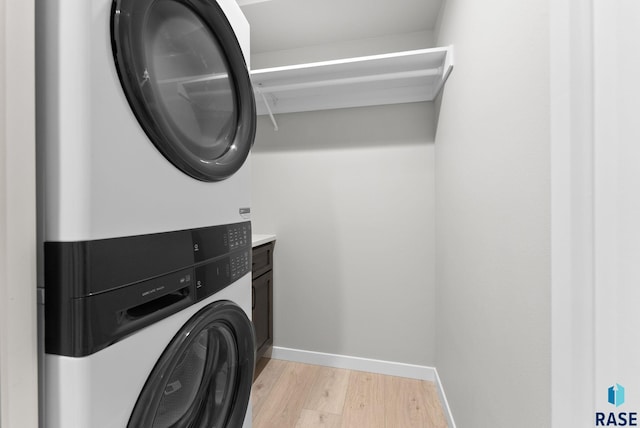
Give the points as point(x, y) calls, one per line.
point(146, 117)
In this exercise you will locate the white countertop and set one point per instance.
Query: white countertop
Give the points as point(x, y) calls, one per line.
point(259, 239)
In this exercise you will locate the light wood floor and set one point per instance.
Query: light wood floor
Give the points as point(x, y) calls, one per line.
point(295, 395)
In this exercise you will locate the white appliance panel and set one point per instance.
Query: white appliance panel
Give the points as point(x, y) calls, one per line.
point(104, 177)
point(100, 390)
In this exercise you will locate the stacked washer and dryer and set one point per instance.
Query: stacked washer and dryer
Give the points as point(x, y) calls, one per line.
point(146, 117)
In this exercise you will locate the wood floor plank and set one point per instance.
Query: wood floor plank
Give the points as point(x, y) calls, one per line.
point(404, 404)
point(295, 395)
point(407, 405)
point(329, 391)
point(434, 405)
point(268, 372)
point(364, 406)
point(315, 419)
point(287, 397)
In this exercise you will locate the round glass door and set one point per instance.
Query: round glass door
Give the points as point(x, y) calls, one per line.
point(184, 75)
point(203, 379)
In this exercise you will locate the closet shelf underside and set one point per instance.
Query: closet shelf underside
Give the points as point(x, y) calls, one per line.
point(399, 77)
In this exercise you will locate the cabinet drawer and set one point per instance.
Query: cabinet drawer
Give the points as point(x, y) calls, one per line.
point(262, 260)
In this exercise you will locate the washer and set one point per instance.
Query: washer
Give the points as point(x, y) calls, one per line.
point(146, 118)
point(168, 344)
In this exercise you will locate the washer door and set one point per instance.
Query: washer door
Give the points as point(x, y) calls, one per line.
point(203, 379)
point(186, 80)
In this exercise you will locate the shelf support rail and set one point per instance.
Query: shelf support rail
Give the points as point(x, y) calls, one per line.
point(446, 69)
point(413, 74)
point(266, 104)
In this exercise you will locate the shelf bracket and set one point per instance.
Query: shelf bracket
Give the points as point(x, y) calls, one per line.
point(445, 70)
point(266, 104)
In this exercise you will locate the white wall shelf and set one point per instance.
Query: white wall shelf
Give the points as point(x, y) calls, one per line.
point(398, 77)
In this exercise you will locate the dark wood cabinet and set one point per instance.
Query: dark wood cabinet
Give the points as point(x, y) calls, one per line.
point(262, 296)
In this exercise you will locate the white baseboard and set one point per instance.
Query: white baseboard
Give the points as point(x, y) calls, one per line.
point(367, 365)
point(355, 363)
point(445, 404)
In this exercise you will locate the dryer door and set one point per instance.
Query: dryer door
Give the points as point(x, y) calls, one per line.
point(186, 80)
point(203, 379)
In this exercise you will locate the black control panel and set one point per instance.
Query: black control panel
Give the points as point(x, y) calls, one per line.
point(211, 242)
point(240, 264)
point(97, 292)
point(239, 236)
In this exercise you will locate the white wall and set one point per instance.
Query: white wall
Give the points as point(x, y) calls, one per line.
point(345, 49)
point(572, 202)
point(493, 215)
point(596, 207)
point(18, 349)
point(350, 195)
point(617, 202)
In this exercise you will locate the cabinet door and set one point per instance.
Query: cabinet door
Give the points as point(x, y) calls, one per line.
point(262, 314)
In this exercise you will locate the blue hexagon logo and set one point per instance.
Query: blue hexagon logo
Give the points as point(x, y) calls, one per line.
point(616, 395)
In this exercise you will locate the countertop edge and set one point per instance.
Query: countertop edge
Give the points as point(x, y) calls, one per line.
point(260, 239)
